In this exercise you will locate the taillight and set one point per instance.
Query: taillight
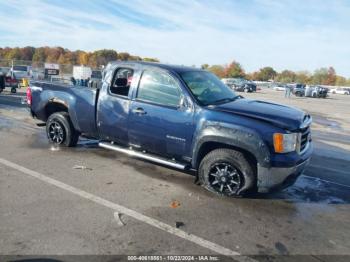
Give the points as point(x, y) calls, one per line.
point(29, 96)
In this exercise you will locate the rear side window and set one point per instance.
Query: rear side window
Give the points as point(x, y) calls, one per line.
point(159, 87)
point(117, 88)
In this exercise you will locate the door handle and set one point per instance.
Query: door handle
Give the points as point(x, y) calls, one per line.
point(139, 111)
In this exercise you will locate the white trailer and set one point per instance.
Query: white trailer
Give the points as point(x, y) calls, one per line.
point(82, 72)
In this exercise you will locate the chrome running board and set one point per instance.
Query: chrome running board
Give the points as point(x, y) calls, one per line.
point(142, 155)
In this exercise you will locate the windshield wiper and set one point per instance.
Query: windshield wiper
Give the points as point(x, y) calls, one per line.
point(225, 100)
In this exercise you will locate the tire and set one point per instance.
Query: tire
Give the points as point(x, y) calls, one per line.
point(239, 174)
point(13, 90)
point(246, 90)
point(60, 130)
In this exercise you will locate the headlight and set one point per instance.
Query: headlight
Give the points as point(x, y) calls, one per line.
point(284, 143)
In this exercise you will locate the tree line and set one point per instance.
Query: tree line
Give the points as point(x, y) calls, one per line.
point(321, 76)
point(62, 55)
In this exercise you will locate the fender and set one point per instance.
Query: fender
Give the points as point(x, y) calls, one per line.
point(233, 135)
point(71, 112)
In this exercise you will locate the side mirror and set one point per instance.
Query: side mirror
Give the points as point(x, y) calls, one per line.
point(121, 82)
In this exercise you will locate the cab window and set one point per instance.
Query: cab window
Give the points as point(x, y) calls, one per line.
point(158, 87)
point(122, 81)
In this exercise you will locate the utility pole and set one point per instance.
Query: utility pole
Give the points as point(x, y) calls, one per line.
point(11, 68)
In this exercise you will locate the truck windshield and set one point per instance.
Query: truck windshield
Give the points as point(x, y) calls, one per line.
point(20, 68)
point(207, 88)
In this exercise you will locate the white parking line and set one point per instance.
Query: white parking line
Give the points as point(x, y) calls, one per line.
point(134, 214)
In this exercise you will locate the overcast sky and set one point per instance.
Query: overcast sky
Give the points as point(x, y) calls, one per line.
point(284, 34)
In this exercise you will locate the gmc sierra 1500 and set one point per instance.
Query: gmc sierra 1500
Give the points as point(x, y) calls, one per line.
point(181, 117)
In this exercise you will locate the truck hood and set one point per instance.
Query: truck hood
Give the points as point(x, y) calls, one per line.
point(279, 115)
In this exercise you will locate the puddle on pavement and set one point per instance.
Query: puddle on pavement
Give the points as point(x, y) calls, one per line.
point(6, 124)
point(326, 122)
point(313, 190)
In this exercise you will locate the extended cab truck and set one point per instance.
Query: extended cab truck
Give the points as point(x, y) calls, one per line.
point(184, 118)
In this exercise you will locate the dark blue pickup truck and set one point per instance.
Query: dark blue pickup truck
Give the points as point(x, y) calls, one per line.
point(184, 118)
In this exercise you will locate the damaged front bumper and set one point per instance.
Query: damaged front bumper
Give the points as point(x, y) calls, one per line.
point(274, 177)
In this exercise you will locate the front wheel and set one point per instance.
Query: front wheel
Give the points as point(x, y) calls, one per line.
point(60, 130)
point(226, 172)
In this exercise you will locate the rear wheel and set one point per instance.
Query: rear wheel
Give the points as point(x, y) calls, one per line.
point(226, 172)
point(60, 130)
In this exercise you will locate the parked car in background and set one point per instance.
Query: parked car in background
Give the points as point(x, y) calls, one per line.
point(20, 71)
point(240, 84)
point(279, 87)
point(11, 82)
point(298, 89)
point(316, 91)
point(4, 70)
point(15, 76)
point(340, 90)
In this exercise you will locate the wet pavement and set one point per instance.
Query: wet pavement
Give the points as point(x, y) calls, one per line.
point(310, 217)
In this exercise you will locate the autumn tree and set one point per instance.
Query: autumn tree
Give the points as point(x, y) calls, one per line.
point(331, 77)
point(286, 76)
point(123, 56)
point(82, 58)
point(15, 53)
point(303, 77)
point(39, 56)
point(340, 81)
point(218, 70)
point(53, 54)
point(138, 58)
point(204, 66)
point(149, 59)
point(320, 76)
point(252, 76)
point(234, 70)
point(265, 74)
point(27, 53)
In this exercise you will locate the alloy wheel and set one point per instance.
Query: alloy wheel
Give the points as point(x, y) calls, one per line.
point(56, 132)
point(225, 178)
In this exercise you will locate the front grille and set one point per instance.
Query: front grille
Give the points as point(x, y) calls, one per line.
point(304, 138)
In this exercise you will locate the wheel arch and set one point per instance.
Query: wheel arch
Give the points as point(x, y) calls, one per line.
point(241, 139)
point(54, 107)
point(57, 105)
point(209, 146)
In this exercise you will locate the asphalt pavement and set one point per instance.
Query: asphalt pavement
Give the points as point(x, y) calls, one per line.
point(89, 201)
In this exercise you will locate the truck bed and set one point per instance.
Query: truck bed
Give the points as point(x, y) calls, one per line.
point(80, 101)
